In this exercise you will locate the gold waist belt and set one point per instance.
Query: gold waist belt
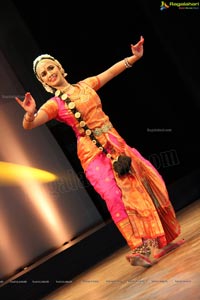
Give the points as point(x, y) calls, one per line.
point(105, 128)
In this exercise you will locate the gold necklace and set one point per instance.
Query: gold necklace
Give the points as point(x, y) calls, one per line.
point(64, 91)
point(66, 88)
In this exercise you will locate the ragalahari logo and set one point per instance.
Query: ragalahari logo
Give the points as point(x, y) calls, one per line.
point(164, 5)
point(179, 5)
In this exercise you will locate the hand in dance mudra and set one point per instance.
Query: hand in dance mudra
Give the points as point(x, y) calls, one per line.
point(28, 104)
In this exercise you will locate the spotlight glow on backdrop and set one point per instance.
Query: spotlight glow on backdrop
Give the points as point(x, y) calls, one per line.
point(11, 173)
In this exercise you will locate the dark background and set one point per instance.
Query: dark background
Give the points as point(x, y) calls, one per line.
point(154, 105)
point(160, 92)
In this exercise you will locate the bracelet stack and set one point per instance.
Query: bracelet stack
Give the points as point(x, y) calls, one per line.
point(127, 64)
point(30, 120)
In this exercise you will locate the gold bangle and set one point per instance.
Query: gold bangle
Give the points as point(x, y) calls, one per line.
point(28, 120)
point(35, 114)
point(127, 64)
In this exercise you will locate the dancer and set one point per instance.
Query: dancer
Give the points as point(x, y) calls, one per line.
point(134, 191)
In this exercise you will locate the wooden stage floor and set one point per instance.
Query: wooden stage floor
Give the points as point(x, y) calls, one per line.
point(174, 277)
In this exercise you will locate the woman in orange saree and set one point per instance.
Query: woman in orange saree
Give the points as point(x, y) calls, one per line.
point(134, 191)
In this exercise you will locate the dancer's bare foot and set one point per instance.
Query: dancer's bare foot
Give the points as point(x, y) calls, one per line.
point(171, 246)
point(136, 259)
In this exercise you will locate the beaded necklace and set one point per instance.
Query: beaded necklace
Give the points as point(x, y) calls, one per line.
point(122, 164)
point(72, 106)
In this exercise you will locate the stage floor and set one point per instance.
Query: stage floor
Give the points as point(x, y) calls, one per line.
point(175, 276)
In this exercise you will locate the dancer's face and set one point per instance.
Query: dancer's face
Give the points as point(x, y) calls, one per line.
point(49, 73)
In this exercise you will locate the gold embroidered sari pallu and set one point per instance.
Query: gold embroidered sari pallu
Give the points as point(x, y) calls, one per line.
point(149, 211)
